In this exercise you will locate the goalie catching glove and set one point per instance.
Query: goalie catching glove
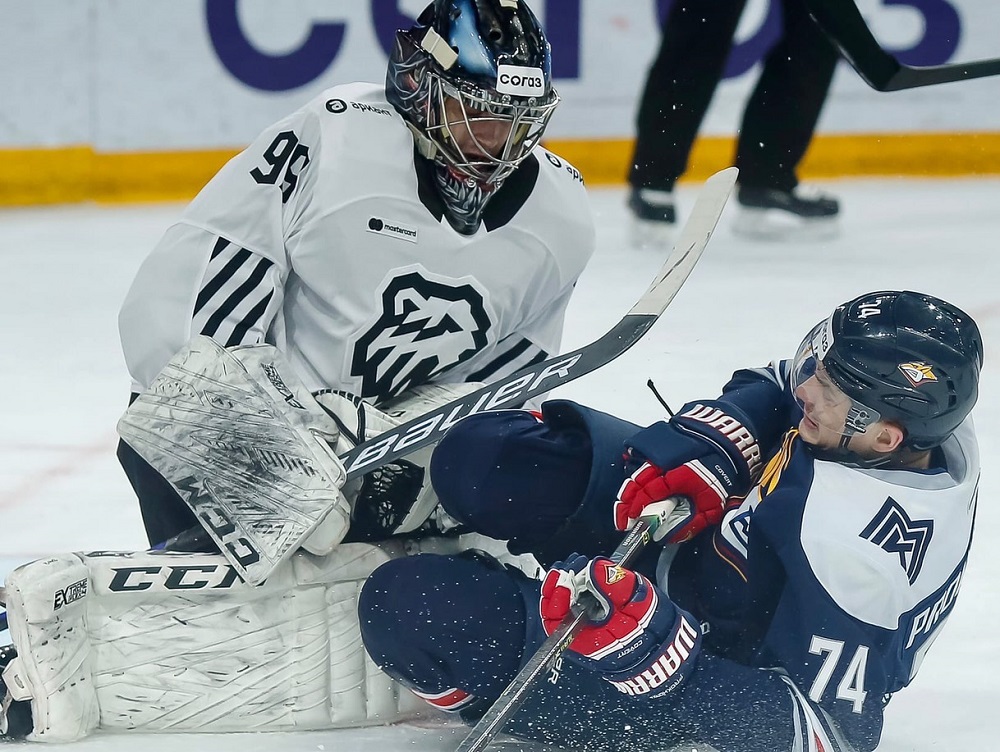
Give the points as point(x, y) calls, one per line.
point(705, 455)
point(397, 497)
point(636, 638)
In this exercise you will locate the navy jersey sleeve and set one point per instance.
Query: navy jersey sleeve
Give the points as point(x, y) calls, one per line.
point(763, 398)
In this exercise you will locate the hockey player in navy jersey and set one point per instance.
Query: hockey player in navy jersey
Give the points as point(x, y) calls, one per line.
point(826, 517)
point(382, 237)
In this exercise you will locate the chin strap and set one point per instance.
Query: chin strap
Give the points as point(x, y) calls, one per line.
point(428, 150)
point(844, 456)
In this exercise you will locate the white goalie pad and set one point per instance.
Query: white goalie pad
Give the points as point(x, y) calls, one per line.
point(177, 642)
point(245, 446)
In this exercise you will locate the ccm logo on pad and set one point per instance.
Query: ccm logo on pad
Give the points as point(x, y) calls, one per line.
point(520, 80)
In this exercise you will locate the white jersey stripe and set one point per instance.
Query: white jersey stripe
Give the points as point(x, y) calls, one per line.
point(251, 323)
point(812, 729)
point(228, 305)
point(231, 306)
point(247, 322)
point(222, 267)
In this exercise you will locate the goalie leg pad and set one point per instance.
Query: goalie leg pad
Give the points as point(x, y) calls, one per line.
point(177, 642)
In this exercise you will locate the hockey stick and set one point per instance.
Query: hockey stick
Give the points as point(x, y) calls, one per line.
point(530, 381)
point(842, 22)
point(534, 380)
point(517, 691)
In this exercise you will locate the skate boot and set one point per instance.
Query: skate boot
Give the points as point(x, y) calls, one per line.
point(799, 214)
point(653, 218)
point(15, 715)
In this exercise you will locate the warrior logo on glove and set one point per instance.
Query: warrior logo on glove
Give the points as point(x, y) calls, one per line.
point(703, 456)
point(636, 638)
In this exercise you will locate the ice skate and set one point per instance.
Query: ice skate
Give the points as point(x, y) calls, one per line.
point(653, 218)
point(799, 214)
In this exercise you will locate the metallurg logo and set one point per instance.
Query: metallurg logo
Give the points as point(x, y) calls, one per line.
point(917, 374)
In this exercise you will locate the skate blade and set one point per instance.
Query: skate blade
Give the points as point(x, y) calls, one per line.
point(648, 235)
point(778, 225)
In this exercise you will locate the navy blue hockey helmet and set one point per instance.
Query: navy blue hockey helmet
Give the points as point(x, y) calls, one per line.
point(899, 356)
point(490, 56)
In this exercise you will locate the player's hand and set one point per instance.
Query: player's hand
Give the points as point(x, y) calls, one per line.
point(636, 638)
point(647, 490)
point(707, 454)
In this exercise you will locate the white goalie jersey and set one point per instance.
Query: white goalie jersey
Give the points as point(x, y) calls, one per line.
point(326, 238)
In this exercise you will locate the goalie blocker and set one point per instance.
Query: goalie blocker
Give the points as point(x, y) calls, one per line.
point(159, 641)
point(243, 443)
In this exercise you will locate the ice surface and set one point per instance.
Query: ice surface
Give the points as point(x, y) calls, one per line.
point(63, 385)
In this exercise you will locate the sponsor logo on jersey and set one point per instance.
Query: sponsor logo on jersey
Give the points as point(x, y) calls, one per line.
point(70, 593)
point(917, 373)
point(392, 229)
point(337, 106)
point(425, 327)
point(893, 531)
point(370, 108)
point(520, 80)
point(556, 162)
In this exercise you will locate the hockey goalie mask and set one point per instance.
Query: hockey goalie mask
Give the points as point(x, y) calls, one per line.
point(473, 80)
point(818, 394)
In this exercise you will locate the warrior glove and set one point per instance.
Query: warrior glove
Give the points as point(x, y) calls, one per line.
point(635, 637)
point(705, 455)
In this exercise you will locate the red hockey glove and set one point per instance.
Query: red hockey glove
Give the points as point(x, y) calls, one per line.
point(707, 453)
point(638, 640)
point(649, 487)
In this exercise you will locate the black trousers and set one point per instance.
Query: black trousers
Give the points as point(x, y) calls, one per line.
point(779, 118)
point(164, 513)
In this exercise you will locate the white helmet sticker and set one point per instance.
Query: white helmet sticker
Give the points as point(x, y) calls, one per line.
point(823, 339)
point(520, 80)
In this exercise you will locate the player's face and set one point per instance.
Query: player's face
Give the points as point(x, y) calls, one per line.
point(824, 410)
point(476, 133)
